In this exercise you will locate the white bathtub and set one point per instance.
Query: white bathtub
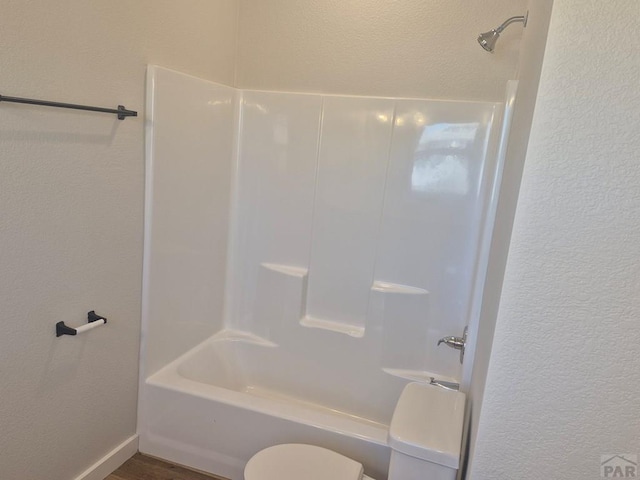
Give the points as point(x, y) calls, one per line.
point(350, 289)
point(209, 411)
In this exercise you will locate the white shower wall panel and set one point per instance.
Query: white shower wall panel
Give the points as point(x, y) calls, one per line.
point(441, 159)
point(360, 216)
point(190, 146)
point(352, 165)
point(275, 192)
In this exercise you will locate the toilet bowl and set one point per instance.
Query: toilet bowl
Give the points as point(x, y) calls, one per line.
point(425, 437)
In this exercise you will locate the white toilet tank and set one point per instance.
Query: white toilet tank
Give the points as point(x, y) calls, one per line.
point(425, 434)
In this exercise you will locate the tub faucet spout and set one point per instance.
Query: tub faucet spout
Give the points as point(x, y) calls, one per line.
point(444, 384)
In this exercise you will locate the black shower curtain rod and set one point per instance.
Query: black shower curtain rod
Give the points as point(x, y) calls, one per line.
point(121, 111)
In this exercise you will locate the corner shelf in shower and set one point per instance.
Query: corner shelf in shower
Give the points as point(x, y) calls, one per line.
point(355, 331)
point(284, 287)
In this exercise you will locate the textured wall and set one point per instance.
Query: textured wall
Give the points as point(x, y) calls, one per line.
point(564, 376)
point(413, 48)
point(71, 196)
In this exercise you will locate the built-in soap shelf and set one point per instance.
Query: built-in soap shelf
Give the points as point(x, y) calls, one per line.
point(288, 270)
point(356, 331)
point(282, 294)
point(384, 287)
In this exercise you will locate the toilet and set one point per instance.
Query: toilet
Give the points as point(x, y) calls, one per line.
point(425, 437)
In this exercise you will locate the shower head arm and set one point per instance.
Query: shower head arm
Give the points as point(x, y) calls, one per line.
point(487, 40)
point(509, 21)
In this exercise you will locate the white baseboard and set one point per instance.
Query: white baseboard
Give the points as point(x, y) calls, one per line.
point(111, 461)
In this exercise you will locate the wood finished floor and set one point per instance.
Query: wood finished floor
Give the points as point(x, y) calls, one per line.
point(141, 467)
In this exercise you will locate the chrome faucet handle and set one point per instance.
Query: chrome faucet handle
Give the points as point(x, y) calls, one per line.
point(453, 342)
point(457, 343)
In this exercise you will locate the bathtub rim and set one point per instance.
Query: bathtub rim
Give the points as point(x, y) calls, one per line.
point(306, 413)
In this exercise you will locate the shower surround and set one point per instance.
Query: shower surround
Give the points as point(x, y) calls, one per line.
point(295, 305)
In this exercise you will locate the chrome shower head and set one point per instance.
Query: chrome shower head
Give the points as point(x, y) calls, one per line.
point(487, 40)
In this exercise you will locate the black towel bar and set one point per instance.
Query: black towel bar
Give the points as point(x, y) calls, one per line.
point(121, 111)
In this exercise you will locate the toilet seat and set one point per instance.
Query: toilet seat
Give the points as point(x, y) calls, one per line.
point(295, 461)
